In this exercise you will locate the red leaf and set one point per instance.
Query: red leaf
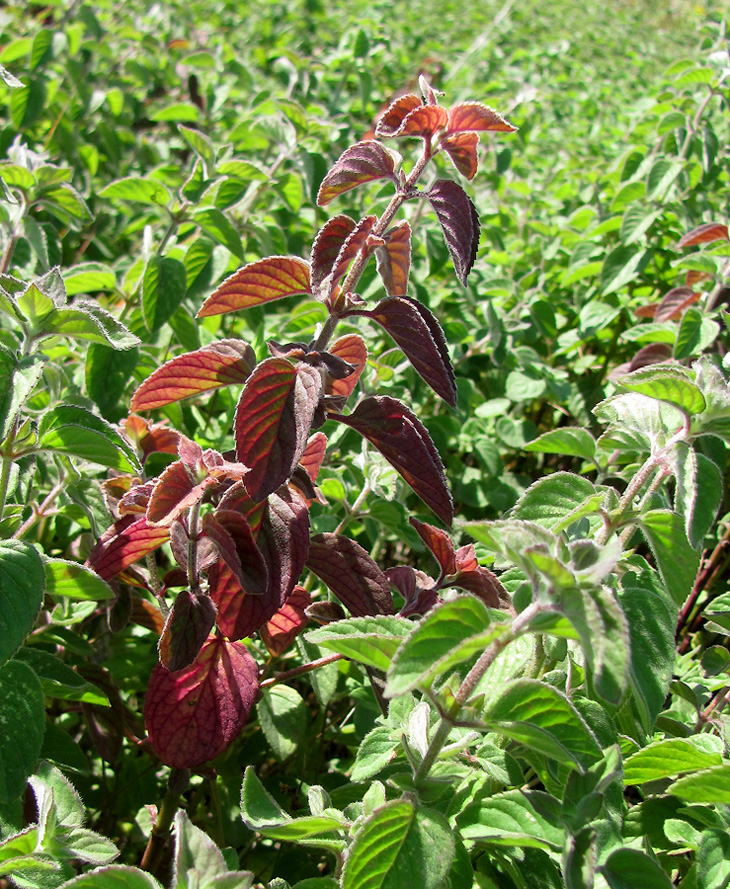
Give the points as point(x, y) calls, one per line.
point(326, 248)
point(313, 455)
point(705, 234)
point(648, 310)
point(402, 439)
point(465, 558)
point(136, 500)
point(481, 582)
point(237, 547)
point(349, 250)
point(694, 277)
point(459, 223)
point(363, 162)
point(416, 588)
point(259, 282)
point(346, 568)
point(175, 491)
point(422, 120)
point(192, 715)
point(127, 541)
point(288, 622)
point(439, 543)
point(654, 353)
point(188, 624)
point(475, 117)
point(237, 499)
point(220, 364)
point(675, 303)
point(394, 260)
point(151, 438)
point(462, 149)
point(272, 422)
point(352, 349)
point(393, 117)
point(422, 340)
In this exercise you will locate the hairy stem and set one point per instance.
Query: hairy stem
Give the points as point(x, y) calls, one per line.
point(300, 671)
point(153, 860)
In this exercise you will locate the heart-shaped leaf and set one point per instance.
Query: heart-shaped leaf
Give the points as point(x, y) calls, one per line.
point(259, 282)
point(224, 363)
point(192, 715)
point(394, 259)
point(459, 222)
point(362, 162)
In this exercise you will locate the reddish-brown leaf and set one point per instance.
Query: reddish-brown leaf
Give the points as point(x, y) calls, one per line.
point(288, 622)
point(136, 499)
point(127, 541)
point(237, 499)
point(403, 440)
point(418, 589)
point(391, 120)
point(648, 310)
point(422, 340)
point(349, 250)
point(462, 149)
point(360, 163)
point(347, 569)
point(273, 419)
point(237, 547)
point(394, 260)
point(352, 349)
point(326, 248)
point(151, 438)
point(465, 558)
point(481, 582)
point(259, 282)
point(654, 353)
point(220, 364)
point(459, 223)
point(705, 234)
point(192, 715)
point(675, 303)
point(694, 277)
point(439, 543)
point(175, 491)
point(423, 121)
point(474, 117)
point(188, 624)
point(313, 455)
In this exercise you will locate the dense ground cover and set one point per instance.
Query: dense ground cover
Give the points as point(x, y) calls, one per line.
point(575, 738)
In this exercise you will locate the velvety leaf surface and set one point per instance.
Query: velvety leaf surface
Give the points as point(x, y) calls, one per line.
point(368, 640)
point(394, 115)
point(404, 442)
point(273, 419)
point(64, 578)
point(508, 819)
point(422, 340)
point(462, 149)
point(476, 117)
point(704, 234)
point(459, 223)
point(439, 543)
point(327, 246)
point(175, 491)
point(114, 876)
point(23, 723)
point(667, 759)
point(259, 282)
point(194, 714)
point(350, 348)
point(22, 583)
point(629, 868)
point(224, 363)
point(394, 259)
point(423, 120)
point(124, 543)
point(313, 455)
point(362, 162)
point(347, 569)
point(163, 289)
point(288, 622)
point(355, 241)
point(677, 561)
point(188, 624)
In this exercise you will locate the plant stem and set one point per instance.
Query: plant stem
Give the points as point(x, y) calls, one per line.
point(301, 670)
point(41, 510)
point(152, 860)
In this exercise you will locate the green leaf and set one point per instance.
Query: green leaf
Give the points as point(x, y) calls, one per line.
point(698, 493)
point(41, 47)
point(137, 190)
point(579, 860)
point(218, 227)
point(26, 374)
point(368, 640)
point(85, 321)
point(508, 819)
point(22, 717)
point(661, 176)
point(713, 860)
point(89, 277)
point(108, 373)
point(570, 441)
point(619, 267)
point(452, 632)
point(709, 786)
point(667, 759)
point(22, 582)
point(304, 828)
point(258, 808)
point(689, 335)
point(163, 289)
point(541, 717)
point(399, 847)
point(113, 876)
point(201, 145)
point(76, 432)
point(177, 111)
point(636, 222)
point(197, 858)
point(667, 383)
point(676, 559)
point(283, 719)
point(558, 500)
point(629, 869)
point(58, 680)
point(376, 751)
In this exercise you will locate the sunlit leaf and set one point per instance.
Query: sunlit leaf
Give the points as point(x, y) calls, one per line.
point(327, 246)
point(352, 349)
point(629, 868)
point(459, 223)
point(391, 120)
point(394, 259)
point(439, 543)
point(218, 226)
point(355, 241)
point(476, 117)
point(462, 149)
point(677, 561)
point(362, 162)
point(705, 234)
point(290, 620)
point(259, 282)
point(313, 455)
point(124, 543)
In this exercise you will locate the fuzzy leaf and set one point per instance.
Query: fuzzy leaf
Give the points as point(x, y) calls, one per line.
point(508, 819)
point(352, 349)
point(394, 259)
point(313, 455)
point(675, 303)
point(272, 423)
point(192, 715)
point(72, 580)
point(197, 858)
point(393, 117)
point(368, 640)
point(705, 234)
point(698, 493)
point(362, 162)
point(76, 432)
point(708, 786)
point(23, 719)
point(570, 441)
point(188, 624)
point(327, 246)
point(175, 491)
point(163, 289)
point(667, 759)
point(125, 542)
point(666, 382)
point(114, 876)
point(423, 121)
point(462, 149)
point(439, 543)
point(475, 117)
point(22, 582)
point(629, 868)
point(404, 442)
point(346, 568)
point(459, 223)
point(259, 282)
point(355, 241)
point(282, 716)
point(224, 363)
point(677, 561)
point(288, 622)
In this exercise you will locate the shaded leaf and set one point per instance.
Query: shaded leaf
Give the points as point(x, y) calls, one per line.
point(355, 241)
point(217, 225)
point(282, 716)
point(508, 819)
point(459, 222)
point(404, 442)
point(476, 117)
point(675, 303)
point(188, 624)
point(629, 868)
point(23, 723)
point(352, 349)
point(394, 259)
point(360, 163)
point(347, 569)
point(259, 282)
point(163, 289)
point(224, 363)
point(125, 542)
point(22, 582)
point(76, 432)
point(192, 715)
point(439, 543)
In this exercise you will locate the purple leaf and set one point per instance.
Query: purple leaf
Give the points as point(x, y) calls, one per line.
point(363, 162)
point(394, 260)
point(327, 246)
point(459, 223)
point(188, 624)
